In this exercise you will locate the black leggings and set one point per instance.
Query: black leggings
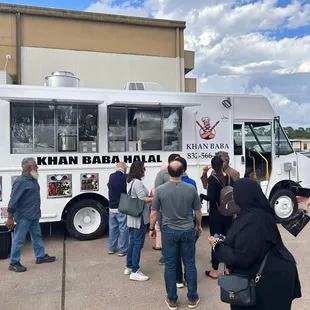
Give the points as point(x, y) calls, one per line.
point(218, 226)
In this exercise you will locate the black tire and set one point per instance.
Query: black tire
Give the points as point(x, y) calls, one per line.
point(276, 200)
point(96, 210)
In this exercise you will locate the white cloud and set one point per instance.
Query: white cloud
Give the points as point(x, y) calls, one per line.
point(300, 18)
point(290, 111)
point(241, 46)
point(125, 8)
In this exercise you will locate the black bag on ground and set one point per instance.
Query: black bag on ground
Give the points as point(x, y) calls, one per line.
point(240, 290)
point(131, 206)
point(297, 222)
point(5, 243)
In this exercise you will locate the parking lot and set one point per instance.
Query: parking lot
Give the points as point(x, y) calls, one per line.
point(85, 276)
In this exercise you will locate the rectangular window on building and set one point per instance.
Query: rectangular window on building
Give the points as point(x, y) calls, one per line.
point(139, 129)
point(305, 146)
point(46, 128)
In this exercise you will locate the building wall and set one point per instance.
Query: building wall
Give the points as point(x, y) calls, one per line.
point(102, 50)
point(102, 70)
point(8, 41)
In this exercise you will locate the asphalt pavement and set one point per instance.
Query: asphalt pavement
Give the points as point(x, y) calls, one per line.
point(86, 277)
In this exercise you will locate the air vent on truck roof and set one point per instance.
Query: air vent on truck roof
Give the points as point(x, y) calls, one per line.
point(62, 79)
point(148, 86)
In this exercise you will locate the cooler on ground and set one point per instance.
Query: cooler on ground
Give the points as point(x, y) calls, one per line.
point(5, 242)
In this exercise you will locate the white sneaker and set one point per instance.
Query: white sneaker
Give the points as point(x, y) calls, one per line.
point(138, 276)
point(180, 284)
point(127, 271)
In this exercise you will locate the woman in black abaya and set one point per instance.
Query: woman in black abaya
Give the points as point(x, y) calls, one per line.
point(252, 235)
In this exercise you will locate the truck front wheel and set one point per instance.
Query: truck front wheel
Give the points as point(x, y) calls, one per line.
point(86, 220)
point(285, 204)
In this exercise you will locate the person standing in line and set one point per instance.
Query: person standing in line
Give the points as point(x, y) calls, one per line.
point(25, 208)
point(253, 234)
point(163, 177)
point(185, 178)
point(226, 167)
point(219, 224)
point(117, 221)
point(208, 171)
point(137, 225)
point(176, 200)
point(157, 246)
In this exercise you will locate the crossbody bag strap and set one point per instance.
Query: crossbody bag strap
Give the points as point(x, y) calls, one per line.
point(218, 180)
point(261, 268)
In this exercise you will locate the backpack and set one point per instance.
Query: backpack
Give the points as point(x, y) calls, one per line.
point(227, 206)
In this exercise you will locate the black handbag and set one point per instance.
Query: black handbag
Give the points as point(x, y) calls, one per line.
point(297, 222)
point(240, 290)
point(131, 206)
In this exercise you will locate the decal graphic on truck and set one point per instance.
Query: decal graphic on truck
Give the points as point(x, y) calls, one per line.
point(207, 132)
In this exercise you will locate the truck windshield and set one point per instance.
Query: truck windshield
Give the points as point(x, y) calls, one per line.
point(283, 145)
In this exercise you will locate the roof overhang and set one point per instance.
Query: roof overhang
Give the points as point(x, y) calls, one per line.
point(153, 104)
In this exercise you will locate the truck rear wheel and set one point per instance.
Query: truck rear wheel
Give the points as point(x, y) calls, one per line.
point(285, 204)
point(86, 220)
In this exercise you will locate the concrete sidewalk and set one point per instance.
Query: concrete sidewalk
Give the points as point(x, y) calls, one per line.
point(94, 279)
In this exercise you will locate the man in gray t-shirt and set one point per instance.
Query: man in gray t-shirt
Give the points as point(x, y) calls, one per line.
point(176, 200)
point(163, 177)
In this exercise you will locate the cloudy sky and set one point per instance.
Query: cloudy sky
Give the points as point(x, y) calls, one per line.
point(242, 46)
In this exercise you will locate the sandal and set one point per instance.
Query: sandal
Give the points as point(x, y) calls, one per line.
point(156, 249)
point(207, 273)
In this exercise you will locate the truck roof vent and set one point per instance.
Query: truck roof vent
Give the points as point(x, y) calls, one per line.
point(62, 79)
point(148, 86)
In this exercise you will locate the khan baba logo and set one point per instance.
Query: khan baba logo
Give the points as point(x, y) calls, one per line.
point(207, 132)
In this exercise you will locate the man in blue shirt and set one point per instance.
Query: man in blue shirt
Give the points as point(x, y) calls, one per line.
point(117, 221)
point(24, 207)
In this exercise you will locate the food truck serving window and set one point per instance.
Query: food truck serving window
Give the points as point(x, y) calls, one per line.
point(144, 129)
point(45, 128)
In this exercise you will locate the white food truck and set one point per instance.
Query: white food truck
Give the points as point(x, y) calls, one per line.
point(77, 135)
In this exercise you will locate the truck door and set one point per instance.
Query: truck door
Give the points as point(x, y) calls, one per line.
point(239, 148)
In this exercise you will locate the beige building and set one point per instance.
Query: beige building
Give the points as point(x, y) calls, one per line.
point(104, 51)
point(301, 145)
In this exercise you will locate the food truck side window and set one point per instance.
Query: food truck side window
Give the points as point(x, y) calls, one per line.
point(22, 128)
point(88, 128)
point(45, 128)
point(143, 129)
point(117, 129)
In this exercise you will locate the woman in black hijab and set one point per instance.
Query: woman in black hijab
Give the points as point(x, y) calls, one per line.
point(253, 234)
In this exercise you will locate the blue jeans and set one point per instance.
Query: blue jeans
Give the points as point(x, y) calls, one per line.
point(118, 229)
point(23, 226)
point(136, 243)
point(175, 241)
